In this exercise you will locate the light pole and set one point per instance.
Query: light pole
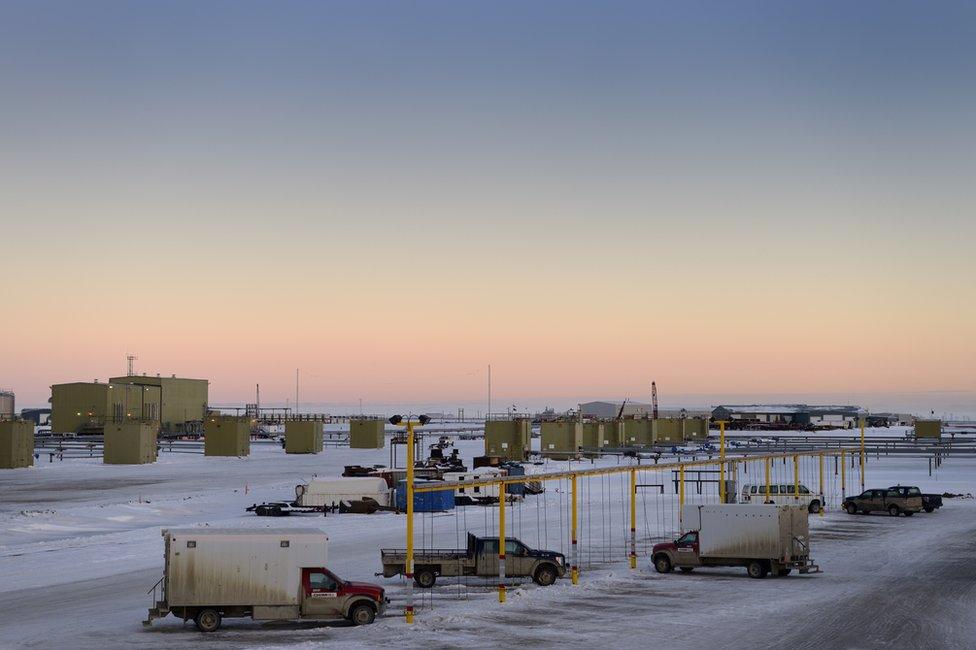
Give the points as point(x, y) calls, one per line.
point(408, 570)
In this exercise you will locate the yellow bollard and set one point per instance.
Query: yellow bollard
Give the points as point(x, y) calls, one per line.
point(574, 573)
point(409, 567)
point(633, 519)
point(501, 542)
point(721, 460)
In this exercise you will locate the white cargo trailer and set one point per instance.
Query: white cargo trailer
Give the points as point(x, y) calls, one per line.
point(266, 574)
point(330, 492)
point(762, 538)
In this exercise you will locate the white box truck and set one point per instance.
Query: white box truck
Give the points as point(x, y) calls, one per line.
point(762, 538)
point(268, 574)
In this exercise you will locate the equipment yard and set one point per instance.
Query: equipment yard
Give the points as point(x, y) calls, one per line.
point(80, 546)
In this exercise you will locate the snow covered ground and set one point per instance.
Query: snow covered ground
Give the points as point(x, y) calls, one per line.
point(80, 545)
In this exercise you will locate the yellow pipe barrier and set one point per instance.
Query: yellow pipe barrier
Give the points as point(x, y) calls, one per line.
point(843, 475)
point(633, 519)
point(410, 490)
point(501, 542)
point(721, 459)
point(574, 573)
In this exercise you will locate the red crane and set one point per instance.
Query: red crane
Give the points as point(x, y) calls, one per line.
point(654, 400)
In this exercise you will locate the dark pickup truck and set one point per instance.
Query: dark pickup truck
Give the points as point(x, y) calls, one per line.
point(930, 502)
point(480, 558)
point(894, 500)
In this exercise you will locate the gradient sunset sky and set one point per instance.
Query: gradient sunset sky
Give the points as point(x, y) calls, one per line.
point(727, 197)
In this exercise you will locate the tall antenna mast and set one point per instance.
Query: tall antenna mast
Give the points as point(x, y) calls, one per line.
point(130, 358)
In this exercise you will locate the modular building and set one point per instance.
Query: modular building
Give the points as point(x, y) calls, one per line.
point(667, 431)
point(183, 402)
point(561, 439)
point(130, 443)
point(508, 439)
point(16, 444)
point(641, 432)
point(226, 435)
point(928, 429)
point(367, 433)
point(695, 428)
point(593, 436)
point(303, 437)
point(85, 407)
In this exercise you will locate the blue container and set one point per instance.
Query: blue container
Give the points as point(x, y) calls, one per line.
point(514, 469)
point(437, 501)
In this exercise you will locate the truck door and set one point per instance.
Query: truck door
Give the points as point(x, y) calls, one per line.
point(486, 557)
point(517, 560)
point(686, 551)
point(320, 594)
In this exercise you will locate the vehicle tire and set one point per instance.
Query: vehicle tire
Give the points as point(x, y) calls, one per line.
point(909, 513)
point(756, 569)
point(782, 573)
point(686, 569)
point(362, 614)
point(662, 564)
point(929, 509)
point(851, 509)
point(894, 511)
point(425, 578)
point(814, 507)
point(207, 620)
point(544, 576)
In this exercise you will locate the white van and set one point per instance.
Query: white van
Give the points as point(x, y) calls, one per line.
point(782, 494)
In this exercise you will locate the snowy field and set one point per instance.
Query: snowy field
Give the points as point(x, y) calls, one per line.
point(80, 546)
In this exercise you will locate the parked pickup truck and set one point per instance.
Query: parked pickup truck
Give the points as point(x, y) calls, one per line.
point(480, 558)
point(930, 502)
point(762, 538)
point(895, 501)
point(268, 574)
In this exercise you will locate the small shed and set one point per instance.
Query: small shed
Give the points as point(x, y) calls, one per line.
point(508, 439)
point(561, 439)
point(367, 433)
point(928, 429)
point(331, 491)
point(16, 444)
point(435, 501)
point(226, 435)
point(303, 437)
point(130, 442)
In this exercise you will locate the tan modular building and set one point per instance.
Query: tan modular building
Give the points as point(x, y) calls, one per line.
point(85, 407)
point(640, 432)
point(130, 443)
point(183, 402)
point(667, 431)
point(614, 432)
point(928, 428)
point(592, 435)
point(16, 444)
point(367, 433)
point(303, 437)
point(695, 428)
point(561, 439)
point(226, 435)
point(508, 439)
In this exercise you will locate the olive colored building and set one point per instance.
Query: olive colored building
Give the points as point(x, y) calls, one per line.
point(16, 444)
point(85, 407)
point(367, 433)
point(130, 443)
point(928, 429)
point(226, 435)
point(303, 437)
point(508, 439)
point(561, 439)
point(183, 402)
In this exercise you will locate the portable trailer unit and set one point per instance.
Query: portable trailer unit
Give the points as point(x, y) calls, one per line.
point(130, 443)
point(367, 433)
point(561, 439)
point(514, 469)
point(227, 435)
point(478, 493)
point(437, 501)
point(332, 491)
point(303, 437)
point(694, 428)
point(928, 429)
point(16, 444)
point(508, 439)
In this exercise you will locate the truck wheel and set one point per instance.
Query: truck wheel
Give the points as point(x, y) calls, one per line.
point(756, 569)
point(207, 620)
point(814, 507)
point(686, 569)
point(425, 578)
point(929, 509)
point(851, 509)
point(362, 614)
point(544, 576)
point(662, 564)
point(893, 511)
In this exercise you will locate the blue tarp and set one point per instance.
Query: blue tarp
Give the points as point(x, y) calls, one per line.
point(436, 501)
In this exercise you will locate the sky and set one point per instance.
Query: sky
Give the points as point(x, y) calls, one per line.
point(725, 197)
